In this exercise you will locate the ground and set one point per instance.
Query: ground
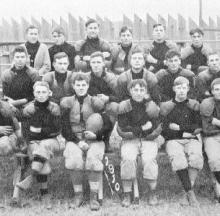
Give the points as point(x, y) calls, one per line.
point(169, 192)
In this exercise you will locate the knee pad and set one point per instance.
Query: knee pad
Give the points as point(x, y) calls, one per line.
point(150, 169)
point(128, 169)
point(37, 163)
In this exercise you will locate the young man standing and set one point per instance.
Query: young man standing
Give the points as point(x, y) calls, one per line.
point(194, 56)
point(157, 50)
point(137, 71)
point(38, 52)
point(181, 125)
point(139, 128)
point(43, 118)
point(92, 43)
point(121, 53)
point(210, 110)
point(82, 129)
point(205, 78)
point(60, 45)
point(59, 80)
point(167, 76)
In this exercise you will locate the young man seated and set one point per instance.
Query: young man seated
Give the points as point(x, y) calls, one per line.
point(59, 80)
point(181, 125)
point(82, 127)
point(18, 81)
point(43, 118)
point(137, 71)
point(205, 78)
point(167, 76)
point(210, 110)
point(139, 128)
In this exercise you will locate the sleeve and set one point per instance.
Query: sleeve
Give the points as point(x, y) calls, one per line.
point(66, 127)
point(72, 55)
point(122, 92)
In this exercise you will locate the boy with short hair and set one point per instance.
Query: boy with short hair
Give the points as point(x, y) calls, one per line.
point(181, 125)
point(167, 76)
point(38, 55)
point(60, 45)
point(195, 56)
point(139, 127)
point(59, 80)
point(82, 129)
point(43, 118)
point(92, 43)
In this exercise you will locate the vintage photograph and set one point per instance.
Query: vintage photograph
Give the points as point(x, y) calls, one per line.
point(110, 108)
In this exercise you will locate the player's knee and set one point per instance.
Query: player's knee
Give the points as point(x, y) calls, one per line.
point(150, 169)
point(196, 161)
point(74, 163)
point(5, 146)
point(128, 169)
point(178, 162)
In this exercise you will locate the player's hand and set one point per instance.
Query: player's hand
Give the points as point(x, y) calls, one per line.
point(189, 66)
point(207, 93)
point(147, 126)
point(83, 145)
point(35, 129)
point(188, 135)
point(103, 97)
point(90, 135)
point(151, 59)
point(86, 58)
point(106, 54)
point(215, 121)
point(6, 130)
point(174, 126)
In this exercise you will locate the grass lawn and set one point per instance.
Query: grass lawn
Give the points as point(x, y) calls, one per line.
point(169, 191)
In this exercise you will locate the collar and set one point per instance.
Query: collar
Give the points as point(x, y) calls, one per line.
point(32, 45)
point(19, 71)
point(43, 105)
point(180, 103)
point(81, 98)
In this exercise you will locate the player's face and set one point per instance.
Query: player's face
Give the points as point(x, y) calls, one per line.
point(126, 38)
point(159, 33)
point(58, 38)
point(97, 64)
point(138, 93)
point(216, 91)
point(41, 93)
point(137, 61)
point(32, 35)
point(181, 91)
point(173, 63)
point(92, 30)
point(61, 65)
point(80, 87)
point(214, 62)
point(197, 39)
point(20, 59)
